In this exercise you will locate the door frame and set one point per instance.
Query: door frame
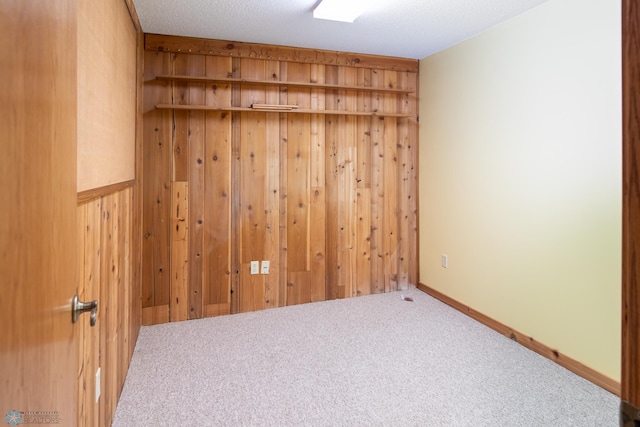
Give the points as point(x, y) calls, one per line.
point(630, 369)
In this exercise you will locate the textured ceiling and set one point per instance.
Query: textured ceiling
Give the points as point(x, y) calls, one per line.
point(408, 28)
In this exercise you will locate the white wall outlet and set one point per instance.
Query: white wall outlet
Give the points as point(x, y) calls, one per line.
point(444, 260)
point(264, 267)
point(97, 385)
point(255, 267)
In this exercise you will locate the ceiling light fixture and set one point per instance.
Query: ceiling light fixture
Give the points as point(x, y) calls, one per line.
point(339, 10)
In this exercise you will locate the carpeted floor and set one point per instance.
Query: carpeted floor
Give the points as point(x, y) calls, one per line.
point(370, 361)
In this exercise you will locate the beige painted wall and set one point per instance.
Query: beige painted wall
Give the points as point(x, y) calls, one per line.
point(520, 176)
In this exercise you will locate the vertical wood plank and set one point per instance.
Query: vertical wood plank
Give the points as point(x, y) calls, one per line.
point(377, 187)
point(298, 174)
point(347, 163)
point(197, 166)
point(252, 154)
point(363, 192)
point(217, 239)
point(179, 306)
point(236, 236)
point(92, 285)
point(236, 164)
point(317, 241)
point(283, 285)
point(180, 139)
point(252, 185)
point(271, 294)
point(271, 251)
point(110, 272)
point(317, 276)
point(122, 200)
point(272, 142)
point(363, 170)
point(332, 145)
point(83, 376)
point(408, 179)
point(363, 242)
point(317, 128)
point(253, 217)
point(390, 224)
point(156, 165)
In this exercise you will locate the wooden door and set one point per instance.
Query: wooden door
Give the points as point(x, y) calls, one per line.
point(38, 346)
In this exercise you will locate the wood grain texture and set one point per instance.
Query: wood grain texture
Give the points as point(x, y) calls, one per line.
point(295, 111)
point(96, 193)
point(630, 386)
point(106, 230)
point(106, 270)
point(313, 84)
point(377, 190)
point(89, 282)
point(327, 198)
point(156, 165)
point(279, 53)
point(110, 220)
point(528, 342)
point(217, 201)
point(180, 236)
point(180, 139)
point(298, 173)
point(155, 315)
point(197, 160)
point(38, 254)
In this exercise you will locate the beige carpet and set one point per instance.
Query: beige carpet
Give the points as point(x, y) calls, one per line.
point(370, 361)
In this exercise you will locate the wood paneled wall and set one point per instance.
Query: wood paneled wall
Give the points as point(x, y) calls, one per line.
point(107, 273)
point(330, 200)
point(109, 217)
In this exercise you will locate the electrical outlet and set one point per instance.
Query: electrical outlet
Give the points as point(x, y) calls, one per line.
point(255, 267)
point(265, 267)
point(97, 385)
point(444, 260)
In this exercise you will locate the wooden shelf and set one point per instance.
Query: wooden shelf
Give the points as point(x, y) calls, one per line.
point(296, 111)
point(281, 83)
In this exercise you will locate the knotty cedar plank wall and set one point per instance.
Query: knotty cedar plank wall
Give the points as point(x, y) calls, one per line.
point(329, 200)
point(106, 273)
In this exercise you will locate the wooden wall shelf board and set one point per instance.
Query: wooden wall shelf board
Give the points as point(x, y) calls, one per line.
point(284, 110)
point(282, 83)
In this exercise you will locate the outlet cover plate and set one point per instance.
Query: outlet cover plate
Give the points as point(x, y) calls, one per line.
point(265, 267)
point(255, 265)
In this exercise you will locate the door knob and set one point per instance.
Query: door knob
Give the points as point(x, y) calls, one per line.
point(78, 307)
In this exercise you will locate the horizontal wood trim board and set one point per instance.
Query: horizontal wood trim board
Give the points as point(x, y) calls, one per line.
point(162, 43)
point(95, 193)
point(284, 110)
point(528, 342)
point(280, 83)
